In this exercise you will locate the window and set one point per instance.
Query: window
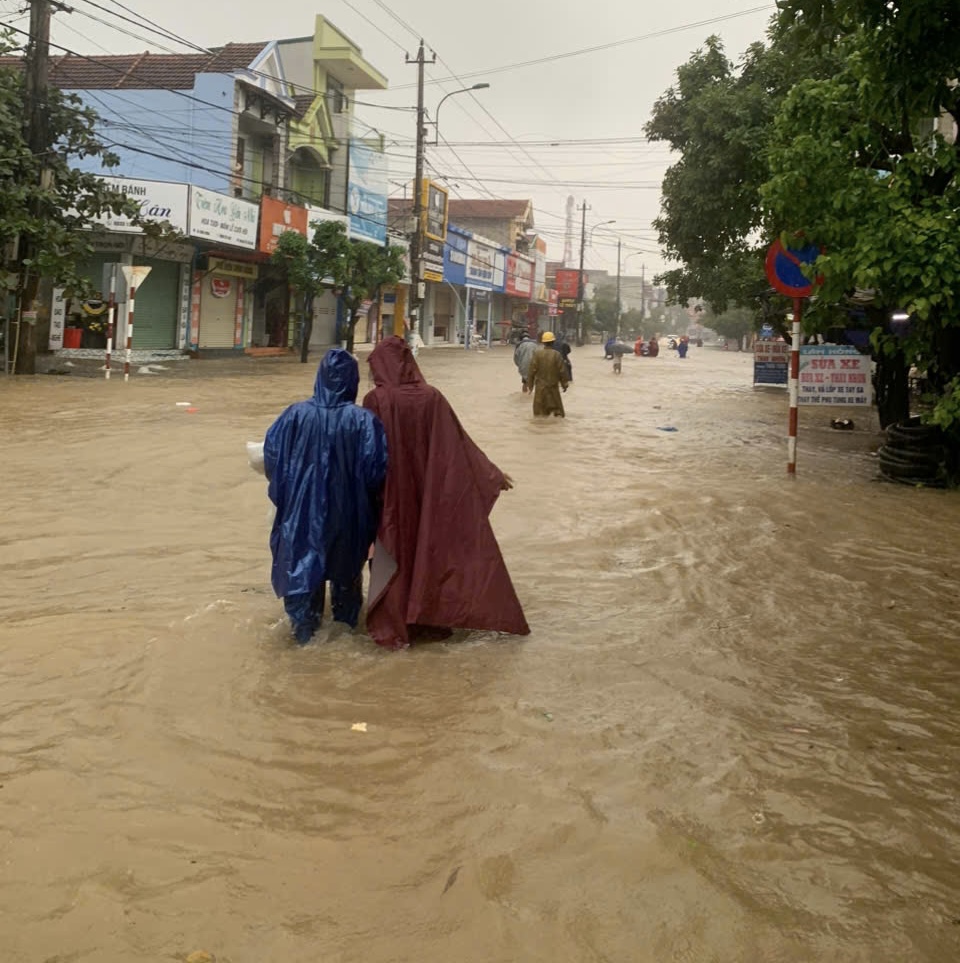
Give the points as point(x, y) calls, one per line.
point(338, 99)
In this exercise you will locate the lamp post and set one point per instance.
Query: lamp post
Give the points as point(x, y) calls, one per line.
point(595, 228)
point(436, 121)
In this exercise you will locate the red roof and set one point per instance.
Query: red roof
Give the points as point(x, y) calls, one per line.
point(145, 70)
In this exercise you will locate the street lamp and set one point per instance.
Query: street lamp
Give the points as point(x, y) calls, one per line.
point(598, 226)
point(436, 122)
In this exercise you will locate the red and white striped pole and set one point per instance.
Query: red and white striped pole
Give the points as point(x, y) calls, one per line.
point(794, 387)
point(111, 315)
point(126, 360)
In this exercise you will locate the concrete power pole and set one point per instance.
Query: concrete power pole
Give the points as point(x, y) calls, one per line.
point(416, 246)
point(619, 242)
point(583, 244)
point(35, 133)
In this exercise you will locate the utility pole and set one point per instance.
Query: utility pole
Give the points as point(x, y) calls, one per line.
point(618, 286)
point(643, 292)
point(416, 245)
point(583, 244)
point(35, 133)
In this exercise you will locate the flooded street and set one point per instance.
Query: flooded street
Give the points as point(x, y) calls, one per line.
point(731, 736)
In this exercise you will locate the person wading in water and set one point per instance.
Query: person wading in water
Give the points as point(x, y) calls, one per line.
point(547, 377)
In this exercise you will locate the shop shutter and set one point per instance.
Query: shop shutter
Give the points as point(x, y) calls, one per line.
point(158, 306)
point(218, 315)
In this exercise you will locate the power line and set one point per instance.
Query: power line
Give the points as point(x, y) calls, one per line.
point(597, 48)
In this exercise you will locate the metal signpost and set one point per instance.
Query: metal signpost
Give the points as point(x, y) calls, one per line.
point(784, 272)
point(135, 276)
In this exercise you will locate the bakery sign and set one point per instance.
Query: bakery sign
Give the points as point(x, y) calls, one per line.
point(159, 201)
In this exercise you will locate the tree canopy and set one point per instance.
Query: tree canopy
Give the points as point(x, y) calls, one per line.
point(357, 270)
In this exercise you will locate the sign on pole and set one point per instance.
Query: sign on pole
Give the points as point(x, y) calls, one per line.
point(135, 276)
point(784, 271)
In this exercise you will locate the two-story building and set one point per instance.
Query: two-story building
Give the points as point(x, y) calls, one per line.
point(232, 148)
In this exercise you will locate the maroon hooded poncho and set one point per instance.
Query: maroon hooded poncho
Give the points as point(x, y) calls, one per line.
point(436, 561)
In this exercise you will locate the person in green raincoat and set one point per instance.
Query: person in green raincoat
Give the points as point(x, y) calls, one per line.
point(547, 377)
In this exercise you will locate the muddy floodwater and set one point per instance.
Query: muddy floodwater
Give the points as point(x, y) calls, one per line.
point(732, 735)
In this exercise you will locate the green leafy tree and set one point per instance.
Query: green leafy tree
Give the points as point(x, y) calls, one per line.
point(46, 205)
point(718, 117)
point(734, 324)
point(356, 269)
point(856, 166)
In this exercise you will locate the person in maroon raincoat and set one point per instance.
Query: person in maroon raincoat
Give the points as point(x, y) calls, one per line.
point(436, 562)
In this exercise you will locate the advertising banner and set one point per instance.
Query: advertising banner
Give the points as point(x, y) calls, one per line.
point(568, 283)
point(222, 219)
point(770, 362)
point(455, 267)
point(834, 374)
point(519, 276)
point(276, 218)
point(367, 193)
point(158, 201)
point(434, 200)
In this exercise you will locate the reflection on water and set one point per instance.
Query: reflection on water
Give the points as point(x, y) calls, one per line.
point(732, 734)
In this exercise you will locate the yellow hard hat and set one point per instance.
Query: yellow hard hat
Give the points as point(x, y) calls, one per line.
point(547, 337)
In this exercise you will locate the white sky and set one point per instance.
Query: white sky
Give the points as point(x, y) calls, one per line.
point(608, 94)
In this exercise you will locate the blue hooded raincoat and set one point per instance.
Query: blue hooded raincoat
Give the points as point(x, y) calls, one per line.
point(326, 460)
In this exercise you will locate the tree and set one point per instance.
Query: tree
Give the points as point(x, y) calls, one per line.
point(719, 117)
point(357, 269)
point(734, 323)
point(856, 166)
point(604, 310)
point(46, 205)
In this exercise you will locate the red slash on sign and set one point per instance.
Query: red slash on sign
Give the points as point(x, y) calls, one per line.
point(784, 269)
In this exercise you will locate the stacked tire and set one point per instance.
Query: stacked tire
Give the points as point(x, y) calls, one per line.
point(914, 454)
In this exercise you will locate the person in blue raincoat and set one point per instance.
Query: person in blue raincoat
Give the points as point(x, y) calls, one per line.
point(326, 461)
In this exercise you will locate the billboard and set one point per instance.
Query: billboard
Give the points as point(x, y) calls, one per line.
point(276, 218)
point(223, 219)
point(434, 201)
point(834, 374)
point(367, 193)
point(519, 276)
point(567, 282)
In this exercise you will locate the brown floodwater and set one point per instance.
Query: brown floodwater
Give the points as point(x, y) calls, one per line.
point(731, 736)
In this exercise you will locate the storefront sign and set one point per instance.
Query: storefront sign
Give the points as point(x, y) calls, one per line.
point(236, 269)
point(276, 218)
point(455, 257)
point(318, 215)
point(434, 199)
point(834, 374)
point(568, 283)
point(554, 301)
point(519, 276)
point(770, 361)
point(58, 319)
point(223, 219)
point(432, 258)
point(367, 193)
point(158, 201)
point(220, 287)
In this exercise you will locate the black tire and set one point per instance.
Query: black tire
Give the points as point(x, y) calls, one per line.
point(900, 468)
point(925, 436)
point(916, 456)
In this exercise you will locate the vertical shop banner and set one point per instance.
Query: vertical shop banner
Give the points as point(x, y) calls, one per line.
point(58, 319)
point(367, 193)
point(276, 218)
point(519, 276)
point(433, 227)
point(455, 258)
point(238, 316)
point(568, 283)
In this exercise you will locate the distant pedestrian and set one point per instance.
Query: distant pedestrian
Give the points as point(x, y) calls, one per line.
point(548, 377)
point(608, 348)
point(521, 358)
point(617, 350)
point(683, 347)
point(653, 348)
point(563, 346)
point(326, 462)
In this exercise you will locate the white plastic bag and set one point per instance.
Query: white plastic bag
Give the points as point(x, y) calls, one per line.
point(255, 456)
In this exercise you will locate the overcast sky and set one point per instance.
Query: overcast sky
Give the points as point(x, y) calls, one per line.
point(600, 95)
